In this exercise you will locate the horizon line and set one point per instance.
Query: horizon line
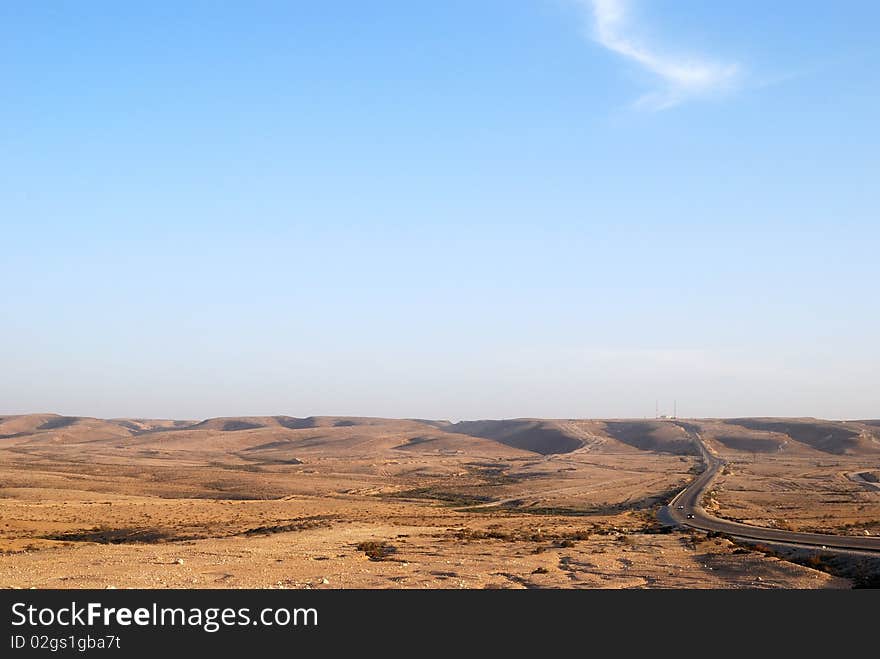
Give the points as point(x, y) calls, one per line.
point(448, 419)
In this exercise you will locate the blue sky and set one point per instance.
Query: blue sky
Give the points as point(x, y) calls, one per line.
point(460, 209)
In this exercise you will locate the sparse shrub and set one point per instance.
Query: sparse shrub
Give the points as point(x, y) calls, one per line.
point(817, 562)
point(376, 550)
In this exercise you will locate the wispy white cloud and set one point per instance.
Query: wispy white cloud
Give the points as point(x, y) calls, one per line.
point(681, 78)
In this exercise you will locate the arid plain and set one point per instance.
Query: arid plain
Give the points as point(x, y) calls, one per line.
point(336, 502)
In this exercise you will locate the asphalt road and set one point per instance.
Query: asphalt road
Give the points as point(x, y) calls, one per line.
point(687, 502)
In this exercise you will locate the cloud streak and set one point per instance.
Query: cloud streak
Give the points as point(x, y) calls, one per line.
point(681, 78)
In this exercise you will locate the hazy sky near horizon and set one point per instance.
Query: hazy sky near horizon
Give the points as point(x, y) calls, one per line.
point(458, 209)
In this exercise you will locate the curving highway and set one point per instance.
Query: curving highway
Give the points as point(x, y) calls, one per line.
point(685, 510)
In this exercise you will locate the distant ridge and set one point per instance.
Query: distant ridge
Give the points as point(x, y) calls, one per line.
point(282, 433)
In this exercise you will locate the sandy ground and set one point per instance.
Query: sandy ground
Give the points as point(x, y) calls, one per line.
point(336, 503)
point(320, 544)
point(799, 494)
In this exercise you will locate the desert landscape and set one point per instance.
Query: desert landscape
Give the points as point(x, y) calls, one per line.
point(345, 502)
